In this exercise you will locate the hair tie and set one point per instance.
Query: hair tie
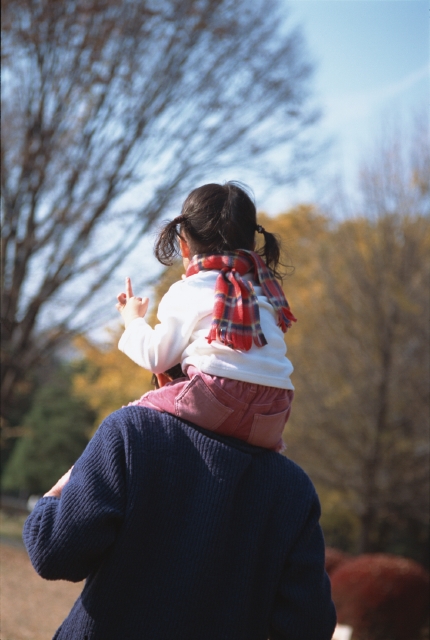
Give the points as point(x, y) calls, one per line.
point(260, 229)
point(179, 219)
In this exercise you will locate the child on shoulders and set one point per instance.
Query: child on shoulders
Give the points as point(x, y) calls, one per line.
point(223, 322)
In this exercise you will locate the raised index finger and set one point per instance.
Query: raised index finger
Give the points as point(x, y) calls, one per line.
point(128, 288)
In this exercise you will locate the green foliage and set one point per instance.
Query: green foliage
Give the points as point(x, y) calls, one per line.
point(56, 432)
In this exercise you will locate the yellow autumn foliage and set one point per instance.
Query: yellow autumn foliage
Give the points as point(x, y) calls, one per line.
point(109, 379)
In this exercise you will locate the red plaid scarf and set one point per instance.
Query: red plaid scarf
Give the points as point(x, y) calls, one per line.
point(236, 316)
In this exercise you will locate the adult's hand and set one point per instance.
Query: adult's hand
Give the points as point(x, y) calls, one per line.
point(58, 487)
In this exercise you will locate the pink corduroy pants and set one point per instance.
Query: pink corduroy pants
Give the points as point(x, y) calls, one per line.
point(251, 412)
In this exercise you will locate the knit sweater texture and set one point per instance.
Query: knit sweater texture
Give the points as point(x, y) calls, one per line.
point(184, 535)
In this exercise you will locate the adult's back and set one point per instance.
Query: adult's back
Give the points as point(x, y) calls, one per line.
point(184, 535)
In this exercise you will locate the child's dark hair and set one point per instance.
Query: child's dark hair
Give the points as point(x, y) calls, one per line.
point(218, 218)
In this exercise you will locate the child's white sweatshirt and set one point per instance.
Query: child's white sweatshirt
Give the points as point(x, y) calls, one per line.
point(185, 315)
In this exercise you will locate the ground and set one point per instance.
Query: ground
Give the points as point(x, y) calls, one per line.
point(30, 608)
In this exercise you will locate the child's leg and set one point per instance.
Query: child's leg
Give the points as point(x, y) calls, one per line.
point(191, 399)
point(250, 412)
point(266, 420)
point(162, 399)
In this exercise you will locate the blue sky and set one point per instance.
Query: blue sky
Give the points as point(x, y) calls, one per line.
point(372, 62)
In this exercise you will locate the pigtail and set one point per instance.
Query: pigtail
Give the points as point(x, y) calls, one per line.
point(166, 246)
point(271, 251)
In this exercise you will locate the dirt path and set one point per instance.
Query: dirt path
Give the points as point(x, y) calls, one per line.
point(31, 608)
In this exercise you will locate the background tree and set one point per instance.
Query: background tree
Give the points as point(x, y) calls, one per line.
point(57, 429)
point(360, 348)
point(111, 111)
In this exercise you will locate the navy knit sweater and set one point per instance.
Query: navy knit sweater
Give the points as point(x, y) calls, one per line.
point(183, 535)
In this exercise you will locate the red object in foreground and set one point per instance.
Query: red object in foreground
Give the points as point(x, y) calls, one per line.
point(382, 597)
point(334, 558)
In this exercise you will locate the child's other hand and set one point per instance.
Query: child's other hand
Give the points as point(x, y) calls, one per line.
point(130, 306)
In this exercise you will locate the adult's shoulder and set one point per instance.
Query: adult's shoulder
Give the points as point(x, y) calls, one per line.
point(134, 421)
point(291, 481)
point(295, 472)
point(131, 418)
point(162, 432)
point(134, 418)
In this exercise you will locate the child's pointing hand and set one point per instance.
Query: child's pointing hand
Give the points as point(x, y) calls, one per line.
point(130, 306)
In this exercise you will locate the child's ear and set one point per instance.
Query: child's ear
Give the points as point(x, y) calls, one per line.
point(184, 247)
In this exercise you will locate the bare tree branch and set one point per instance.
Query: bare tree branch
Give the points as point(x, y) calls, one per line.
point(103, 100)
